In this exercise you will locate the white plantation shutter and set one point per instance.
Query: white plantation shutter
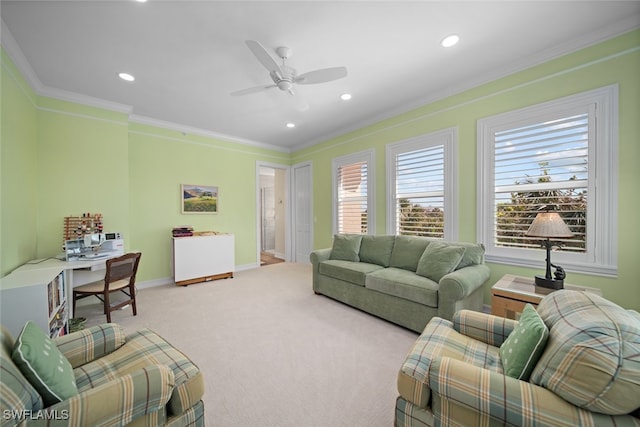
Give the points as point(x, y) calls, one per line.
point(353, 193)
point(543, 164)
point(419, 199)
point(352, 198)
point(561, 153)
point(421, 178)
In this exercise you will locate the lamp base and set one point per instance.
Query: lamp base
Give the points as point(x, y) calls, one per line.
point(546, 286)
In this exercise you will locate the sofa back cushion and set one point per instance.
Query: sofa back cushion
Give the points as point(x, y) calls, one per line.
point(16, 393)
point(407, 251)
point(439, 259)
point(376, 249)
point(592, 358)
point(473, 254)
point(346, 247)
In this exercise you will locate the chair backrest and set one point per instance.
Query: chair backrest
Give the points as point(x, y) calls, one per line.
point(122, 267)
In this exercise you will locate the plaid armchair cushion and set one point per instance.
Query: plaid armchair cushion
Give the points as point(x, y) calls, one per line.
point(467, 395)
point(592, 357)
point(439, 340)
point(138, 397)
point(89, 344)
point(144, 348)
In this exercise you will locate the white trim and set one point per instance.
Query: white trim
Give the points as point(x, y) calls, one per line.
point(163, 124)
point(448, 138)
point(287, 219)
point(627, 24)
point(368, 156)
point(602, 235)
point(294, 226)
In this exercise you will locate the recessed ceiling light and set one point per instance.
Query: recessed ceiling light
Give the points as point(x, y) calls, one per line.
point(345, 96)
point(291, 125)
point(141, 1)
point(450, 40)
point(126, 77)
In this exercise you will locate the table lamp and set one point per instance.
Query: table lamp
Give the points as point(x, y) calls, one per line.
point(549, 225)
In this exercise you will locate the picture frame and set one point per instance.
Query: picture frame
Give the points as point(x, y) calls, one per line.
point(199, 199)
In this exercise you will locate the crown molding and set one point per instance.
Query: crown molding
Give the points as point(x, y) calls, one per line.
point(203, 132)
point(596, 36)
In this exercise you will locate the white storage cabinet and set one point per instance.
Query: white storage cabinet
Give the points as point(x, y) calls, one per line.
point(36, 295)
point(203, 258)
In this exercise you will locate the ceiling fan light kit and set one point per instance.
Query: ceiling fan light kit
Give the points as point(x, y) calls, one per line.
point(285, 77)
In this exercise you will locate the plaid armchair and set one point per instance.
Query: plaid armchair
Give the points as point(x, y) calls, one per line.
point(135, 380)
point(588, 374)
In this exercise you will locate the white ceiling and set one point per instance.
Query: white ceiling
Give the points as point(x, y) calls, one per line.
point(188, 56)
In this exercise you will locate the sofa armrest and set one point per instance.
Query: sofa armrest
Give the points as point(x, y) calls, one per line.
point(319, 255)
point(489, 329)
point(84, 346)
point(316, 257)
point(468, 395)
point(458, 286)
point(118, 402)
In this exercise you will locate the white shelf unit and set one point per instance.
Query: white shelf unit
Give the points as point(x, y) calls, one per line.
point(37, 295)
point(203, 258)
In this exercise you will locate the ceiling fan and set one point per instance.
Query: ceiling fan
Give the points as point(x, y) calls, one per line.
point(285, 77)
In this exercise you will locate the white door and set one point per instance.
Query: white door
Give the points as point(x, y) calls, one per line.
point(302, 212)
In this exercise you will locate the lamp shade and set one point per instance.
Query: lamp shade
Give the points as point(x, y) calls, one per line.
point(549, 225)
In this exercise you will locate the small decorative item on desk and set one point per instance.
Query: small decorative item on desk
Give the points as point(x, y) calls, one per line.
point(549, 225)
point(182, 231)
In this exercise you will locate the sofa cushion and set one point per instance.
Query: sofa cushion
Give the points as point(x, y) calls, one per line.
point(346, 247)
point(376, 249)
point(352, 272)
point(15, 391)
point(592, 357)
point(439, 259)
point(46, 368)
point(473, 254)
point(404, 284)
point(144, 348)
point(524, 345)
point(439, 339)
point(407, 251)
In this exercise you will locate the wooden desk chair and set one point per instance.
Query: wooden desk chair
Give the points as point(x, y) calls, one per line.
point(120, 276)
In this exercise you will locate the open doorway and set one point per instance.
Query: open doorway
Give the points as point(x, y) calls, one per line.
point(272, 214)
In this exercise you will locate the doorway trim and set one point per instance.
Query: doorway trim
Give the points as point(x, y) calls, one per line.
point(287, 210)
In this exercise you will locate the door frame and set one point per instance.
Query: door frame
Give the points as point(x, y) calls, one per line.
point(287, 210)
point(293, 206)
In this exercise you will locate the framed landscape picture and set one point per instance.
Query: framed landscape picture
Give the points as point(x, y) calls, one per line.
point(199, 199)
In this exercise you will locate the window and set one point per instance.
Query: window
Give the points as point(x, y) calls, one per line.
point(354, 210)
point(562, 154)
point(421, 181)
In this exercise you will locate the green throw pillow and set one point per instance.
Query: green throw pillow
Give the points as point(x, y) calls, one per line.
point(44, 366)
point(346, 247)
point(524, 345)
point(439, 259)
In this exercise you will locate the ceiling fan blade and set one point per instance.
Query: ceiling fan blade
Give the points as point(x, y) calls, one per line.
point(263, 56)
point(321, 76)
point(250, 90)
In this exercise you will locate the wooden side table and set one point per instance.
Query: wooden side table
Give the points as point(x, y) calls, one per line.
point(511, 293)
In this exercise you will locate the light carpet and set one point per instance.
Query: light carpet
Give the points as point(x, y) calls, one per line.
point(272, 352)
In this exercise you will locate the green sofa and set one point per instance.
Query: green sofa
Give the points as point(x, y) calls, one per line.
point(404, 279)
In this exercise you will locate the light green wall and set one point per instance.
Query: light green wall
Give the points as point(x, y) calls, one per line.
point(48, 147)
point(162, 160)
point(614, 61)
point(83, 164)
point(19, 166)
point(61, 159)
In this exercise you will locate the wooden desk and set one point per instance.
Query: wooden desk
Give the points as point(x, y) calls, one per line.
point(511, 293)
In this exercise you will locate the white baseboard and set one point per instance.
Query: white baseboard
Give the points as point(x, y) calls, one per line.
point(169, 280)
